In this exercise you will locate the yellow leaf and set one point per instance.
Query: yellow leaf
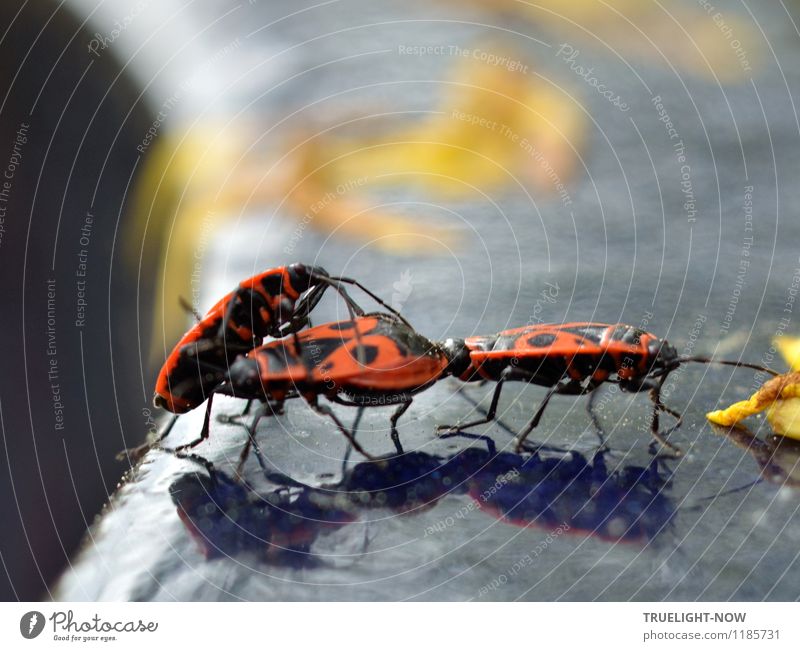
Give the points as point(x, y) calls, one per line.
point(789, 347)
point(773, 394)
point(784, 416)
point(175, 201)
point(332, 196)
point(701, 40)
point(736, 412)
point(495, 125)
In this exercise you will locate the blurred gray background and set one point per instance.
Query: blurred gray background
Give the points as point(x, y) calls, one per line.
point(281, 133)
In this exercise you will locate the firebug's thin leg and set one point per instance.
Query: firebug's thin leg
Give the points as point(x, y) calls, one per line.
point(373, 296)
point(251, 439)
point(325, 410)
point(655, 396)
point(535, 420)
point(135, 454)
point(348, 451)
point(235, 420)
point(491, 446)
point(203, 432)
point(476, 403)
point(401, 409)
point(490, 415)
point(598, 426)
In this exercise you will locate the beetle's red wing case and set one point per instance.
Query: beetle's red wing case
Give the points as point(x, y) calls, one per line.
point(583, 349)
point(391, 357)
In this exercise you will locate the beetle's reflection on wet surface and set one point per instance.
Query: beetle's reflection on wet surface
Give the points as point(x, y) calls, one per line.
point(548, 489)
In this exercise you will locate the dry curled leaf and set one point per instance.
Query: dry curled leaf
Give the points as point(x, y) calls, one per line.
point(780, 396)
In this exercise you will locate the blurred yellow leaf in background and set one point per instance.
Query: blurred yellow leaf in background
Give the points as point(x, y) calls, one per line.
point(333, 197)
point(495, 125)
point(174, 207)
point(696, 38)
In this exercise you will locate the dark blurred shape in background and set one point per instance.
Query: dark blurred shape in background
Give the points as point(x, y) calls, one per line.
point(80, 120)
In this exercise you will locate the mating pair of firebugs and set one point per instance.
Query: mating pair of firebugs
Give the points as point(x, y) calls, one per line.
point(379, 359)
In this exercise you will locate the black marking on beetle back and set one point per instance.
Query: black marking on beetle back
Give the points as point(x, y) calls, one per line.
point(593, 333)
point(342, 325)
point(407, 342)
point(300, 276)
point(273, 284)
point(317, 350)
point(627, 334)
point(279, 359)
point(541, 340)
point(365, 354)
